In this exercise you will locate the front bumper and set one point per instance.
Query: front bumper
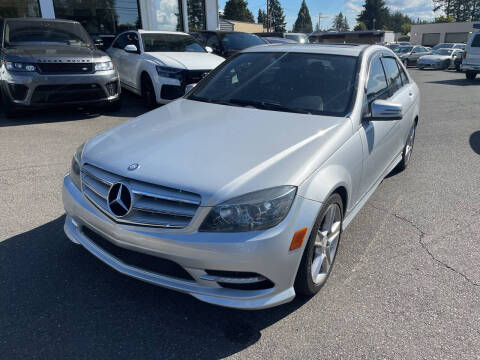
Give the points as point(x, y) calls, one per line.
point(77, 84)
point(263, 252)
point(433, 65)
point(470, 67)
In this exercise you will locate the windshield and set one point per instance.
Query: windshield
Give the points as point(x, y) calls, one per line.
point(291, 82)
point(170, 43)
point(403, 49)
point(443, 52)
point(239, 41)
point(442, 46)
point(45, 32)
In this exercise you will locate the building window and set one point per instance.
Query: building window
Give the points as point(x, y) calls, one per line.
point(196, 15)
point(19, 8)
point(167, 15)
point(100, 17)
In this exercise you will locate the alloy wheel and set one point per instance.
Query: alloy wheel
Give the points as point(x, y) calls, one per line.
point(326, 243)
point(409, 144)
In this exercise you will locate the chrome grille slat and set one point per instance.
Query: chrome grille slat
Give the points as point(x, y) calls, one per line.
point(153, 205)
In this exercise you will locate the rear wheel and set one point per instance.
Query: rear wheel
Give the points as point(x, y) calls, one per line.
point(471, 75)
point(408, 149)
point(148, 92)
point(319, 254)
point(405, 62)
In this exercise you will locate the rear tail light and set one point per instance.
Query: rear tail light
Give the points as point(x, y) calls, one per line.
point(464, 54)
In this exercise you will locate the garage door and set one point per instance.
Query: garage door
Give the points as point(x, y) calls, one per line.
point(458, 37)
point(430, 39)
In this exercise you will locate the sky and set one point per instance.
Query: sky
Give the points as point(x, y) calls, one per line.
point(350, 8)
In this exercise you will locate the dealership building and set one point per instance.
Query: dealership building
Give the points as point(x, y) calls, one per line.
point(106, 18)
point(433, 34)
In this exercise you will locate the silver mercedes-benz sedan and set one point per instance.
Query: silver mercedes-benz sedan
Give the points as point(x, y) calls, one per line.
point(238, 192)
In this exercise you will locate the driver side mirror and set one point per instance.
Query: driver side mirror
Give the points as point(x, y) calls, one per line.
point(382, 110)
point(209, 49)
point(131, 48)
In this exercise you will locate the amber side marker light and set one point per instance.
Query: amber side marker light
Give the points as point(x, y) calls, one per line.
point(298, 238)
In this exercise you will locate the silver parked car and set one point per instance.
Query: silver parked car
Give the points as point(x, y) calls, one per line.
point(440, 59)
point(410, 54)
point(238, 193)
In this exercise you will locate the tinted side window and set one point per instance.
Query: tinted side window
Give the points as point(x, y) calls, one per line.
point(476, 41)
point(393, 74)
point(1, 31)
point(121, 42)
point(132, 39)
point(403, 75)
point(377, 83)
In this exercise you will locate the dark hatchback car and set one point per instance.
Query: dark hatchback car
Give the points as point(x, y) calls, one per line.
point(227, 43)
point(53, 62)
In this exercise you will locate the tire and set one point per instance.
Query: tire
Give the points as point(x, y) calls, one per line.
point(9, 108)
point(405, 62)
point(445, 66)
point(308, 282)
point(148, 93)
point(471, 75)
point(115, 105)
point(407, 149)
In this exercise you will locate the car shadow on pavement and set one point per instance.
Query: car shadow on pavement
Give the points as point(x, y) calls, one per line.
point(459, 82)
point(132, 107)
point(59, 301)
point(475, 142)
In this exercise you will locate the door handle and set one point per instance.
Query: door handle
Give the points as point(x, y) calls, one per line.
point(410, 93)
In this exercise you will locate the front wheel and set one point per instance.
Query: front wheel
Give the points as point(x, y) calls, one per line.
point(471, 75)
point(148, 93)
point(407, 149)
point(319, 254)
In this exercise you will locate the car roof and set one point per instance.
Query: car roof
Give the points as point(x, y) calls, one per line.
point(223, 32)
point(334, 49)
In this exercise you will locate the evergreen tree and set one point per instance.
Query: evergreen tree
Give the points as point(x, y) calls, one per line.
point(360, 26)
point(262, 17)
point(340, 23)
point(277, 17)
point(375, 14)
point(303, 24)
point(237, 10)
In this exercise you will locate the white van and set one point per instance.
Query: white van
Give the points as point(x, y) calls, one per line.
point(471, 57)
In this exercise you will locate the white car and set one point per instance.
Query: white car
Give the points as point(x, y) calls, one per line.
point(158, 65)
point(471, 57)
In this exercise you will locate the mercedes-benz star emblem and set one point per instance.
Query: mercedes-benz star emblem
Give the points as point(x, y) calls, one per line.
point(119, 200)
point(133, 166)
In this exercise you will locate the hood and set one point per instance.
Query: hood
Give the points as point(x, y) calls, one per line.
point(57, 52)
point(187, 60)
point(434, 57)
point(218, 151)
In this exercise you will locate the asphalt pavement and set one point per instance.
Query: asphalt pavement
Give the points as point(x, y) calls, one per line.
point(406, 282)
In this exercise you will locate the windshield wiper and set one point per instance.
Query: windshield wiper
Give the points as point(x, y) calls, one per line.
point(265, 105)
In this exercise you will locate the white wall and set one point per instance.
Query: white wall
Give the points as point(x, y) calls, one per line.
point(417, 31)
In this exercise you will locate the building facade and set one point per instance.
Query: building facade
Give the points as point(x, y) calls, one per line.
point(109, 17)
point(433, 34)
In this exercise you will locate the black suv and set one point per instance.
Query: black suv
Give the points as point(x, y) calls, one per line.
point(47, 62)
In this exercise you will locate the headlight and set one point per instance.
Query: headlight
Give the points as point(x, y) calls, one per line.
point(75, 171)
point(169, 72)
point(16, 66)
point(258, 210)
point(104, 66)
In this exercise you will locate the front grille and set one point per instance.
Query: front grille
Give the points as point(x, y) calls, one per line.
point(65, 68)
point(152, 205)
point(57, 94)
point(140, 260)
point(194, 76)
